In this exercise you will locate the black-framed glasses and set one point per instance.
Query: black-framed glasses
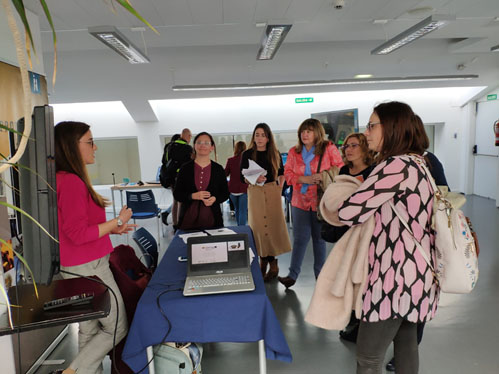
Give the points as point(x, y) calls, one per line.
point(346, 146)
point(370, 125)
point(91, 142)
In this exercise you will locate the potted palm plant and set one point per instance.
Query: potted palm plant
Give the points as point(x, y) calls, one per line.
point(23, 53)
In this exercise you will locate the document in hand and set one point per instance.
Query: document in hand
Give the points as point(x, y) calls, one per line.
point(253, 172)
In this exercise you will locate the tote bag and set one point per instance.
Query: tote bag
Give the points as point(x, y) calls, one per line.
point(456, 267)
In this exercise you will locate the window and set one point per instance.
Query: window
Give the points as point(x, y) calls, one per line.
point(118, 156)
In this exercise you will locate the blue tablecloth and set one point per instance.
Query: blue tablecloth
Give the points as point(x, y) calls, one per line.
point(234, 317)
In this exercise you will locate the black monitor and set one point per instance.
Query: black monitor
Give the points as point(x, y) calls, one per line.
point(38, 197)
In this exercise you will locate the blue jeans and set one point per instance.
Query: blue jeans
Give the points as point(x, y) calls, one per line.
point(241, 208)
point(306, 225)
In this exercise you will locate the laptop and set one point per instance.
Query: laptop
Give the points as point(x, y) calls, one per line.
point(218, 264)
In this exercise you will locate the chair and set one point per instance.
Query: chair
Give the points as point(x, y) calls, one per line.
point(132, 278)
point(148, 247)
point(143, 206)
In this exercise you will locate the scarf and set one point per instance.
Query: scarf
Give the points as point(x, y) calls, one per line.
point(307, 156)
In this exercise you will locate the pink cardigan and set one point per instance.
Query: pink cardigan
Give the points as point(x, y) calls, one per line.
point(79, 217)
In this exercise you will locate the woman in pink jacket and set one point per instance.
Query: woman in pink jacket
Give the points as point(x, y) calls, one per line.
point(303, 173)
point(84, 242)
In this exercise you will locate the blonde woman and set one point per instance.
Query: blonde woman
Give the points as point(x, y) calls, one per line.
point(303, 173)
point(265, 213)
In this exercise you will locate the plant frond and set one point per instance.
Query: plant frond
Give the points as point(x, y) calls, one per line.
point(29, 216)
point(126, 4)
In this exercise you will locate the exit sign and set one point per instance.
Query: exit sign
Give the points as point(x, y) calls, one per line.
point(304, 100)
point(492, 97)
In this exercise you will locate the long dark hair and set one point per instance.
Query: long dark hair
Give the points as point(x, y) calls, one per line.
point(321, 141)
point(68, 157)
point(211, 140)
point(273, 155)
point(239, 148)
point(401, 133)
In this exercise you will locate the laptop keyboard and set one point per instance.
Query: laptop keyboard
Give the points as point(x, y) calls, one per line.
point(219, 281)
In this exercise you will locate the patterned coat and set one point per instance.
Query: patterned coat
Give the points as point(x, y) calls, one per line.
point(400, 283)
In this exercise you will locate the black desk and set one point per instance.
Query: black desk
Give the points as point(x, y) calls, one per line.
point(31, 315)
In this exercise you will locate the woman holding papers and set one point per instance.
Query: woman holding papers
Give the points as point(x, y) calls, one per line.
point(313, 154)
point(262, 169)
point(201, 187)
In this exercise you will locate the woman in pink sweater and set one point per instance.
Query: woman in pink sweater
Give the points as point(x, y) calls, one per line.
point(84, 241)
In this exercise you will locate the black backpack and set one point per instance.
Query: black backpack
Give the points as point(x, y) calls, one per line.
point(169, 167)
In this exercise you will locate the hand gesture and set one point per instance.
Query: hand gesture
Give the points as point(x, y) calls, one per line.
point(125, 214)
point(261, 179)
point(210, 201)
point(201, 195)
point(124, 229)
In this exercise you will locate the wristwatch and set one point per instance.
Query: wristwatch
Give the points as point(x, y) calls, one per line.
point(120, 222)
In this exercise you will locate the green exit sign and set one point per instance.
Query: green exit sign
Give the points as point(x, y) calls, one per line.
point(304, 100)
point(492, 97)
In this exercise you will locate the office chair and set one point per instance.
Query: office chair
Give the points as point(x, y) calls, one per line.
point(143, 206)
point(148, 247)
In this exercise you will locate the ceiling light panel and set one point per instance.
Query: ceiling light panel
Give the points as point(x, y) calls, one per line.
point(271, 41)
point(424, 27)
point(110, 36)
point(339, 82)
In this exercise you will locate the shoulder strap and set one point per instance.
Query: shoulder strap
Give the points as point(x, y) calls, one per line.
point(418, 245)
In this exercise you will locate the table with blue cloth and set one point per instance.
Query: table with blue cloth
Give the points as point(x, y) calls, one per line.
point(232, 317)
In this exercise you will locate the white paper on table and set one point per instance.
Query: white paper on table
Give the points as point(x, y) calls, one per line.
point(253, 172)
point(191, 235)
point(220, 231)
point(252, 255)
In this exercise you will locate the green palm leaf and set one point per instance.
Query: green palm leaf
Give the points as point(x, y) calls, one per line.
point(126, 4)
point(29, 216)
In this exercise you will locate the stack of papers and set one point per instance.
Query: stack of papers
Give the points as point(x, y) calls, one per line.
point(253, 172)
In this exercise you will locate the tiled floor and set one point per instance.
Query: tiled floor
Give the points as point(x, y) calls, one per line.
point(463, 338)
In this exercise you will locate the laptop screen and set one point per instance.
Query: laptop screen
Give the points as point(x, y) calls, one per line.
point(212, 253)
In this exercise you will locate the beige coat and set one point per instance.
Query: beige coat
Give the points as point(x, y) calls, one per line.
point(266, 219)
point(342, 279)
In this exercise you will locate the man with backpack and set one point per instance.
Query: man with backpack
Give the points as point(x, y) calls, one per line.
point(175, 154)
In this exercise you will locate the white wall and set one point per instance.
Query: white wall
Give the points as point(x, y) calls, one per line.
point(240, 114)
point(486, 162)
point(7, 46)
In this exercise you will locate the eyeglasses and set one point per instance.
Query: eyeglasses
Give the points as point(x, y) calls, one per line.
point(91, 142)
point(346, 146)
point(370, 125)
point(203, 143)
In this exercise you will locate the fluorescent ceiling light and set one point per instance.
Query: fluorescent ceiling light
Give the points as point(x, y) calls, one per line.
point(339, 82)
point(110, 36)
point(271, 41)
point(424, 27)
point(362, 76)
point(495, 48)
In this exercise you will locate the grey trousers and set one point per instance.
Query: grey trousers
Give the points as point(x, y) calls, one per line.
point(373, 341)
point(95, 337)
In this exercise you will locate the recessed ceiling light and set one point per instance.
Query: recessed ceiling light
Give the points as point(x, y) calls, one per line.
point(363, 76)
point(380, 21)
point(261, 24)
point(420, 11)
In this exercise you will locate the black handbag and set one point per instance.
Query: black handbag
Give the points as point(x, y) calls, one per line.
point(332, 233)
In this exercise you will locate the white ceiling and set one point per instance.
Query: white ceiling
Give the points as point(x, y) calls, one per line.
point(215, 42)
